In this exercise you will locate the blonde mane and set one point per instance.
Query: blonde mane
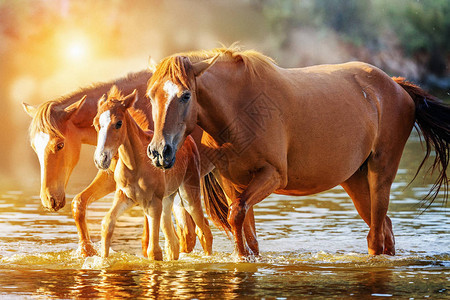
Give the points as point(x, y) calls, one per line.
point(114, 94)
point(48, 115)
point(46, 119)
point(176, 68)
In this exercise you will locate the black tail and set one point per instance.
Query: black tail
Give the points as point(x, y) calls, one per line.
point(215, 201)
point(433, 122)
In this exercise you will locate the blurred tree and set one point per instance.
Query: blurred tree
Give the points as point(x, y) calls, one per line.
point(356, 20)
point(421, 26)
point(424, 26)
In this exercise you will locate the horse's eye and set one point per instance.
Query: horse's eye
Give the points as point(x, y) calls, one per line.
point(59, 146)
point(185, 97)
point(118, 124)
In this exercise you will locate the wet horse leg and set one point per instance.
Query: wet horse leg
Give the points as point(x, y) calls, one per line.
point(145, 236)
point(185, 230)
point(185, 226)
point(190, 193)
point(172, 246)
point(153, 213)
point(381, 174)
point(102, 185)
point(262, 185)
point(357, 187)
point(249, 222)
point(250, 232)
point(121, 204)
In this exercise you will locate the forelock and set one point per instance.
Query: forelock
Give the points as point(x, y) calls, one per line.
point(174, 68)
point(47, 120)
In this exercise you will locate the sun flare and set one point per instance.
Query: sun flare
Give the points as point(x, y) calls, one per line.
point(77, 50)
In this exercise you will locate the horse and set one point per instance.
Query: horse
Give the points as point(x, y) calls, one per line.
point(57, 131)
point(139, 182)
point(293, 131)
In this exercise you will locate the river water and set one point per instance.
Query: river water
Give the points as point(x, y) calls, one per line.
point(311, 246)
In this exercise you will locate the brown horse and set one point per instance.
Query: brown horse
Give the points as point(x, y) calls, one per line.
point(293, 131)
point(139, 182)
point(57, 131)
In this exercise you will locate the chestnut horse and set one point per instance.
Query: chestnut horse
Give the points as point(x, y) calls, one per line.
point(139, 182)
point(293, 131)
point(57, 131)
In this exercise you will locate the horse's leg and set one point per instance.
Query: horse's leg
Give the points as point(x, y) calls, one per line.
point(185, 227)
point(190, 192)
point(379, 186)
point(145, 236)
point(249, 222)
point(153, 213)
point(382, 168)
point(250, 231)
point(357, 187)
point(102, 185)
point(172, 246)
point(262, 185)
point(120, 205)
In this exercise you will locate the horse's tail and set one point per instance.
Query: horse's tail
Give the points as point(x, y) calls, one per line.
point(215, 201)
point(433, 122)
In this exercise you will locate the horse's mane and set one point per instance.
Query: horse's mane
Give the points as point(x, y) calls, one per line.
point(176, 68)
point(45, 120)
point(114, 94)
point(49, 113)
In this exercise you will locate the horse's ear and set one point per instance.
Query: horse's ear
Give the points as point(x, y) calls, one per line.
point(29, 109)
point(151, 64)
point(101, 100)
point(129, 100)
point(202, 66)
point(73, 108)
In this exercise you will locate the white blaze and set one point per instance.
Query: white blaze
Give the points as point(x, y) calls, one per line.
point(104, 120)
point(40, 142)
point(171, 90)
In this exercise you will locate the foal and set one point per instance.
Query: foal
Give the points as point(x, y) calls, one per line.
point(140, 183)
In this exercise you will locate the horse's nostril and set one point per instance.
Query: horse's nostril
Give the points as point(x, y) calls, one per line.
point(52, 202)
point(155, 154)
point(167, 152)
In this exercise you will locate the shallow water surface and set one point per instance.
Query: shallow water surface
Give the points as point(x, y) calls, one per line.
point(310, 246)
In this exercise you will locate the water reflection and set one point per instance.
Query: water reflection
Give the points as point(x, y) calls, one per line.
point(312, 245)
point(234, 280)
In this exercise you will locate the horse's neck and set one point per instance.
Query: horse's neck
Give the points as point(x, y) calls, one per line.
point(132, 151)
point(220, 104)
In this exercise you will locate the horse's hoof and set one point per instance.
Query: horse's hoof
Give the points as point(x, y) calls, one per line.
point(144, 253)
point(172, 255)
point(246, 257)
point(389, 252)
point(155, 255)
point(87, 249)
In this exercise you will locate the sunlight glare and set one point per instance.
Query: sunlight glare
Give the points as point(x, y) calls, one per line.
point(76, 50)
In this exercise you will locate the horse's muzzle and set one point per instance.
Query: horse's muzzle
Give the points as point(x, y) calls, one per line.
point(53, 203)
point(166, 160)
point(102, 161)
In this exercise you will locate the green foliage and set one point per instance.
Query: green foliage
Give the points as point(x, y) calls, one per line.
point(420, 25)
point(355, 19)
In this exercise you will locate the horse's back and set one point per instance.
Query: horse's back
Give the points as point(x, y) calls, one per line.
point(334, 115)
